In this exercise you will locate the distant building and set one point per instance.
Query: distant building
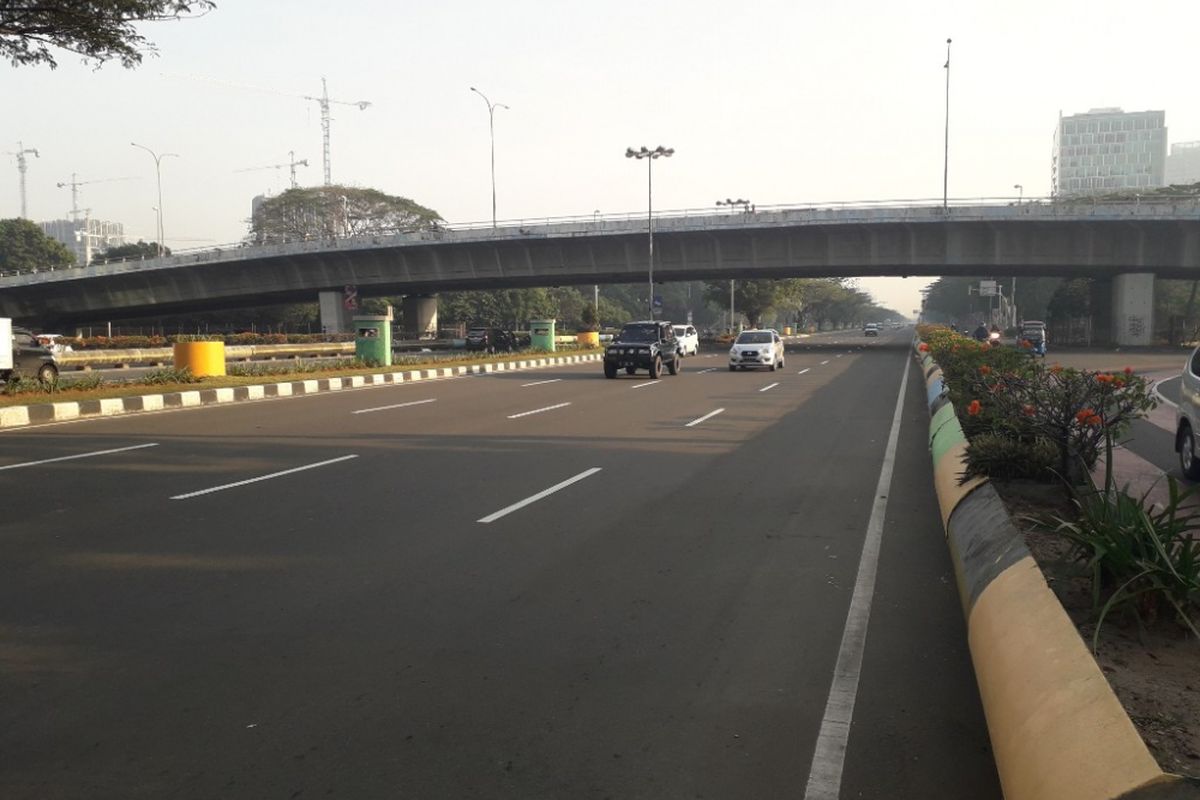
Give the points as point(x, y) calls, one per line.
point(1108, 150)
point(100, 235)
point(1183, 164)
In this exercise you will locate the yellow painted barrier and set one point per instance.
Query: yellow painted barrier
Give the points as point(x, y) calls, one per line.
point(202, 359)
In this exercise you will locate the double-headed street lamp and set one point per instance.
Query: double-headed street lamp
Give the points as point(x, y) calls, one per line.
point(650, 155)
point(745, 204)
point(492, 132)
point(158, 176)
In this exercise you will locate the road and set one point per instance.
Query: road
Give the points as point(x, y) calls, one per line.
point(540, 584)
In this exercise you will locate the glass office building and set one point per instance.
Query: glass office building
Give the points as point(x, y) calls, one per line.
point(1109, 150)
point(1183, 164)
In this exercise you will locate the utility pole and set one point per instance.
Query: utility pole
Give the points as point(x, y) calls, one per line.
point(324, 102)
point(22, 166)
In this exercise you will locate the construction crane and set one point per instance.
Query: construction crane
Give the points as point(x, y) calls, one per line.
point(324, 101)
point(292, 164)
point(75, 184)
point(21, 168)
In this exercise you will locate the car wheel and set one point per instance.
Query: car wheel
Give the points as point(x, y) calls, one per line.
point(673, 367)
point(656, 367)
point(774, 365)
point(48, 374)
point(630, 370)
point(732, 368)
point(610, 370)
point(1188, 463)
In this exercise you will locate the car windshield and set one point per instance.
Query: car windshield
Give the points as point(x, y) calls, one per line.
point(639, 333)
point(762, 337)
point(477, 332)
point(680, 330)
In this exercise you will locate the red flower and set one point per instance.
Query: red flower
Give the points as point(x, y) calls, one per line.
point(1087, 416)
point(985, 370)
point(1028, 410)
point(1104, 377)
point(1129, 370)
point(1118, 382)
point(924, 348)
point(1057, 368)
point(974, 408)
point(1026, 344)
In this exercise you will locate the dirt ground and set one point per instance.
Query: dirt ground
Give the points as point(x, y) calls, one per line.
point(1154, 671)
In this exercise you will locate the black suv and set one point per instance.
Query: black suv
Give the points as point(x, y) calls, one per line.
point(491, 340)
point(643, 345)
point(30, 357)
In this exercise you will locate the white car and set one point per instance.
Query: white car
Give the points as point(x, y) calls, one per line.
point(1187, 417)
point(756, 349)
point(688, 338)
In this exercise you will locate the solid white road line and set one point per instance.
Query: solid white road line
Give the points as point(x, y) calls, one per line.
point(539, 383)
point(397, 405)
point(709, 415)
point(647, 383)
point(768, 386)
point(534, 498)
point(825, 776)
point(823, 363)
point(806, 369)
point(538, 410)
point(710, 369)
point(81, 455)
point(262, 478)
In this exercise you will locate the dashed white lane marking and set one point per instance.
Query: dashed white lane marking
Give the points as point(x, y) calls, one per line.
point(839, 355)
point(80, 455)
point(539, 383)
point(709, 415)
point(647, 383)
point(395, 405)
point(826, 361)
point(829, 756)
point(710, 369)
point(806, 369)
point(587, 473)
point(768, 386)
point(538, 410)
point(263, 477)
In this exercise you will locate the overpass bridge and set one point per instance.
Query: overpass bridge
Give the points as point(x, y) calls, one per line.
point(1130, 241)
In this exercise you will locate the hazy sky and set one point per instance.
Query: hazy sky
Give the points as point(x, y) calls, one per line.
point(775, 101)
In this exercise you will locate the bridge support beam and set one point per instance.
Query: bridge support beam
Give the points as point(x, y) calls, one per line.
point(334, 316)
point(420, 316)
point(1133, 309)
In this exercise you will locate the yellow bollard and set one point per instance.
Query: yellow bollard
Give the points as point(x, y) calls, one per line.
point(588, 339)
point(203, 359)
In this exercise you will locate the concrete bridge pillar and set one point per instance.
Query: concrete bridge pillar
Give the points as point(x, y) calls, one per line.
point(334, 316)
point(1133, 309)
point(420, 316)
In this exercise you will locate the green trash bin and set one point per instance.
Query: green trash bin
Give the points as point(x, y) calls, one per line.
point(541, 334)
point(373, 340)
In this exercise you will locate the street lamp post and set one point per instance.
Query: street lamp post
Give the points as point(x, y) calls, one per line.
point(1020, 192)
point(158, 177)
point(745, 204)
point(650, 155)
point(946, 146)
point(1013, 295)
point(491, 107)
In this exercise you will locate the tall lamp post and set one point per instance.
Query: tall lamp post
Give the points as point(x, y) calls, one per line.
point(158, 177)
point(745, 204)
point(1020, 192)
point(1013, 295)
point(946, 146)
point(650, 155)
point(492, 133)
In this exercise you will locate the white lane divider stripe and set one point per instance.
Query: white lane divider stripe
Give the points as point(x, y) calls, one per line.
point(80, 455)
point(587, 473)
point(539, 383)
point(768, 386)
point(397, 405)
point(839, 355)
point(806, 369)
point(710, 369)
point(826, 361)
point(647, 383)
point(829, 756)
point(263, 478)
point(538, 410)
point(709, 415)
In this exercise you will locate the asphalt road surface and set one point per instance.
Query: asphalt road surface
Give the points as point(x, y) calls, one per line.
point(541, 584)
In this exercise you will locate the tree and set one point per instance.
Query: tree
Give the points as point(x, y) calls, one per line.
point(24, 248)
point(131, 252)
point(328, 212)
point(755, 297)
point(98, 30)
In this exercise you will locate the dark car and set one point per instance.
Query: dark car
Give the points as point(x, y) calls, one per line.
point(30, 357)
point(643, 345)
point(491, 340)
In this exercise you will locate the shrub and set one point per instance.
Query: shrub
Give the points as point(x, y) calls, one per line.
point(1009, 458)
point(168, 375)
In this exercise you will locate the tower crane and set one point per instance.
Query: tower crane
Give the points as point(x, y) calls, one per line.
point(292, 164)
point(324, 101)
point(83, 235)
point(74, 183)
point(21, 168)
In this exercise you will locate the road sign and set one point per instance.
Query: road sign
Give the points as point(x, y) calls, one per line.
point(987, 289)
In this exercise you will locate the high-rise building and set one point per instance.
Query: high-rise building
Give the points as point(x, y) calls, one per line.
point(1183, 164)
point(1108, 150)
point(85, 236)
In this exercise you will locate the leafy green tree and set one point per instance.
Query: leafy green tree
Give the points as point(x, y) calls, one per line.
point(24, 248)
point(756, 297)
point(131, 252)
point(98, 30)
point(327, 212)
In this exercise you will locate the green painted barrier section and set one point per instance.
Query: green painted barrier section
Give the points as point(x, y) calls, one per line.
point(946, 436)
point(940, 418)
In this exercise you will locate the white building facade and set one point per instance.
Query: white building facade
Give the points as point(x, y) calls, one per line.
point(1183, 164)
point(85, 236)
point(1109, 150)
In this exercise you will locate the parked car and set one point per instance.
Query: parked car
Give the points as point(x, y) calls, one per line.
point(647, 345)
point(1187, 417)
point(871, 329)
point(688, 338)
point(756, 348)
point(23, 354)
point(491, 340)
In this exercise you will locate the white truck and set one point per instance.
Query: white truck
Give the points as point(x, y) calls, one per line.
point(22, 354)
